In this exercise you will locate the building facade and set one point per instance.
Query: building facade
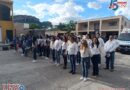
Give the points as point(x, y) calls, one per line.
point(25, 19)
point(6, 20)
point(20, 28)
point(108, 25)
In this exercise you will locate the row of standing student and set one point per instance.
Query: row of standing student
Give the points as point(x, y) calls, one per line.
point(76, 50)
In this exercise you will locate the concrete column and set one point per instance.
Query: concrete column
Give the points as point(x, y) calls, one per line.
point(77, 28)
point(100, 28)
point(120, 23)
point(88, 28)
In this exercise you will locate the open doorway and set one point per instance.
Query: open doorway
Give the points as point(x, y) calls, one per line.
point(9, 35)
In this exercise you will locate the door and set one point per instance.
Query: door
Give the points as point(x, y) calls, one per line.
point(9, 35)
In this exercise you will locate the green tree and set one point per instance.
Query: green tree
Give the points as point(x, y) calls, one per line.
point(46, 25)
point(70, 26)
point(34, 26)
point(61, 26)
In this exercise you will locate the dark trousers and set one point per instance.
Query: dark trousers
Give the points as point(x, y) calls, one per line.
point(65, 58)
point(57, 56)
point(95, 61)
point(85, 66)
point(23, 49)
point(26, 52)
point(110, 61)
point(78, 58)
point(53, 54)
point(40, 50)
point(73, 63)
point(44, 50)
point(15, 47)
point(35, 53)
point(99, 59)
point(47, 51)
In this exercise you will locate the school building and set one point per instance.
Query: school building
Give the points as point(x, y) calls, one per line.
point(107, 25)
point(6, 20)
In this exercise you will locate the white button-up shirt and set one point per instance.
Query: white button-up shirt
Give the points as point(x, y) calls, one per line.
point(64, 46)
point(95, 50)
point(57, 45)
point(85, 53)
point(101, 42)
point(72, 49)
point(111, 46)
point(52, 45)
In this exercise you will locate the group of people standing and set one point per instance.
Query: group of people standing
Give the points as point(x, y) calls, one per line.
point(77, 50)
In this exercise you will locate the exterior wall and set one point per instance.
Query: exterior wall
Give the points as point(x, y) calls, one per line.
point(125, 23)
point(106, 27)
point(91, 24)
point(20, 28)
point(55, 33)
point(81, 26)
point(103, 24)
point(5, 25)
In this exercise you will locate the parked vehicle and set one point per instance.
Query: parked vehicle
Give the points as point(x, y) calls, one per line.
point(124, 41)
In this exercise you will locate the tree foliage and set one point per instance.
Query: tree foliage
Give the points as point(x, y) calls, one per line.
point(34, 26)
point(70, 26)
point(46, 25)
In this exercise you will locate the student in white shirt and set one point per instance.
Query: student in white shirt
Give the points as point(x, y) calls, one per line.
point(95, 50)
point(64, 52)
point(101, 42)
point(57, 46)
point(85, 59)
point(72, 50)
point(52, 49)
point(110, 47)
point(89, 41)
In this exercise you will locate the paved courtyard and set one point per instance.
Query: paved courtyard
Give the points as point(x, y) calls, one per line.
point(44, 75)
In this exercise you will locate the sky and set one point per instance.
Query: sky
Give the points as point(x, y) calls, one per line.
point(58, 11)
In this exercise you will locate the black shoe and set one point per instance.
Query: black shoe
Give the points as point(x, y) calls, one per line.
point(64, 67)
point(73, 73)
point(106, 68)
point(93, 74)
point(112, 70)
point(70, 71)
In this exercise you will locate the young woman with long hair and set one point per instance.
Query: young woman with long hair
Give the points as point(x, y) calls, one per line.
point(85, 59)
point(96, 51)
